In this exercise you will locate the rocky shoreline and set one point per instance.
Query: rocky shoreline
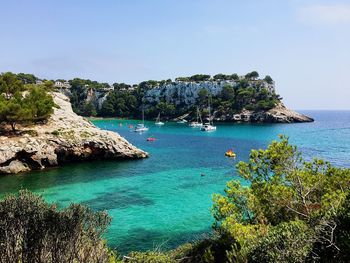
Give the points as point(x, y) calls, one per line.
point(66, 137)
point(278, 114)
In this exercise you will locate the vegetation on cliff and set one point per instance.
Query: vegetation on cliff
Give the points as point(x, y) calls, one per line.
point(283, 209)
point(22, 104)
point(92, 98)
point(247, 92)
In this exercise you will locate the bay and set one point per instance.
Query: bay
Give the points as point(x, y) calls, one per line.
point(165, 200)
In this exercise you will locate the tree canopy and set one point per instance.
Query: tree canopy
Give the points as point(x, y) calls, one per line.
point(252, 75)
point(20, 104)
point(289, 209)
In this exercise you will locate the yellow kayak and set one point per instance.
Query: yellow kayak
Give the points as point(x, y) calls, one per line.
point(230, 154)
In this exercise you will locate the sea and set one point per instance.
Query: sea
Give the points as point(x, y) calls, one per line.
point(165, 200)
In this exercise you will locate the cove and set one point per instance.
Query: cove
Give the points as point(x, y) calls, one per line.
point(164, 200)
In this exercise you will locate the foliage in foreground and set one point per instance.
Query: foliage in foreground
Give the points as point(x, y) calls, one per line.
point(33, 231)
point(292, 210)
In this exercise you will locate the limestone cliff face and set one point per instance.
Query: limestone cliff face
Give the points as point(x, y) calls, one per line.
point(186, 93)
point(65, 137)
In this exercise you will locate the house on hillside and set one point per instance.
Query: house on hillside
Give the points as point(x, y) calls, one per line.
point(62, 84)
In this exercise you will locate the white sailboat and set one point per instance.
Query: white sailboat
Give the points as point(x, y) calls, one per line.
point(198, 123)
point(182, 121)
point(208, 126)
point(141, 126)
point(158, 122)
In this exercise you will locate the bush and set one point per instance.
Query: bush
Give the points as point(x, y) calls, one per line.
point(286, 242)
point(291, 210)
point(149, 257)
point(33, 231)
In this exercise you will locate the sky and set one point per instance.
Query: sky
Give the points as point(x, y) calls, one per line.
point(303, 44)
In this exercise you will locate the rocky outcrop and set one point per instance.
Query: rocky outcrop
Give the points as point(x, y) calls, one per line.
point(278, 114)
point(185, 94)
point(64, 138)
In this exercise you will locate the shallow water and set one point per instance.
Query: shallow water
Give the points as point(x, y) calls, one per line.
point(164, 200)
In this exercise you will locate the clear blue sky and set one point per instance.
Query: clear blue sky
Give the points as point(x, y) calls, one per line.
point(303, 44)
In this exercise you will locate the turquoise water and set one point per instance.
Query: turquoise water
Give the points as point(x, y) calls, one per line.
point(164, 200)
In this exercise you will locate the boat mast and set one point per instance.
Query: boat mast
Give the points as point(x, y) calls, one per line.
point(209, 110)
point(197, 114)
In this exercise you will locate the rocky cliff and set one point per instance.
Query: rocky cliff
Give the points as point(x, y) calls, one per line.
point(278, 114)
point(186, 92)
point(64, 138)
point(234, 100)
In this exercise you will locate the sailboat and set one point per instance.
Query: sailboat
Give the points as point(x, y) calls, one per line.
point(208, 126)
point(158, 122)
point(198, 123)
point(141, 126)
point(181, 121)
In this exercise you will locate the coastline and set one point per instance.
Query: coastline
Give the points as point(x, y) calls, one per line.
point(66, 137)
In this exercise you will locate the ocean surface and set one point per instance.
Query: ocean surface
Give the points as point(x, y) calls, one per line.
point(164, 200)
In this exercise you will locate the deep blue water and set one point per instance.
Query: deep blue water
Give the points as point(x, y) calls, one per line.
point(164, 199)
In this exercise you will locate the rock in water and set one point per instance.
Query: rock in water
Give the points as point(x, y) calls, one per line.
point(65, 137)
point(278, 114)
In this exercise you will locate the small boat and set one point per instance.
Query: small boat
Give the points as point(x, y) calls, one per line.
point(158, 122)
point(195, 124)
point(198, 123)
point(208, 126)
point(230, 153)
point(141, 126)
point(151, 139)
point(182, 121)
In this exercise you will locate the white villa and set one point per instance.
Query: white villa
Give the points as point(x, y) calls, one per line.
point(61, 84)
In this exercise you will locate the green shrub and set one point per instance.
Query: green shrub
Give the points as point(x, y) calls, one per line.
point(55, 132)
point(32, 230)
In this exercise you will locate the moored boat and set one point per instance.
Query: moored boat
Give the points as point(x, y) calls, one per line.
point(158, 122)
point(198, 123)
point(182, 121)
point(141, 126)
point(208, 126)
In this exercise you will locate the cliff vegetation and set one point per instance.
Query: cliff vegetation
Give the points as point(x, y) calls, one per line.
point(246, 98)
